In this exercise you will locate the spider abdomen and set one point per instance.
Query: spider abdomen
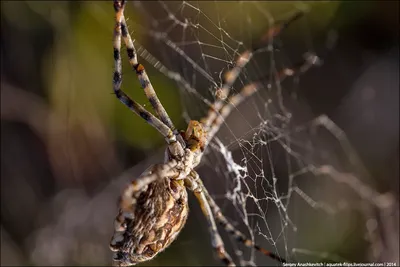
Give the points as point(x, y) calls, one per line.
point(149, 222)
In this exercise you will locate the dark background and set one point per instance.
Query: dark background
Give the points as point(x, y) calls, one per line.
point(65, 140)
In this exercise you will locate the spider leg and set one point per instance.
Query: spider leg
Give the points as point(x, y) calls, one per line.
point(142, 75)
point(248, 90)
point(217, 242)
point(231, 76)
point(170, 137)
point(239, 236)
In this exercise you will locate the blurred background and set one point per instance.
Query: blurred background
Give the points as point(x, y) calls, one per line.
point(68, 146)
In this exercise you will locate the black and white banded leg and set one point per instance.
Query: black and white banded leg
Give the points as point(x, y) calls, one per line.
point(163, 123)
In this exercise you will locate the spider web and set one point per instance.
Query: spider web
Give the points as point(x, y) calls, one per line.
point(285, 175)
point(275, 167)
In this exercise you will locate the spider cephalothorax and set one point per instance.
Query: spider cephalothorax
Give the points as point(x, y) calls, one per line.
point(153, 208)
point(195, 137)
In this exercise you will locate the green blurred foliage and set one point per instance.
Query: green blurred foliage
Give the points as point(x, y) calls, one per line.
point(80, 65)
point(80, 69)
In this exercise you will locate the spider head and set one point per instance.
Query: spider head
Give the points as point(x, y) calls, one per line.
point(195, 137)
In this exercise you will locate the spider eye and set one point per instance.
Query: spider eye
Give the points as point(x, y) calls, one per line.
point(194, 130)
point(198, 132)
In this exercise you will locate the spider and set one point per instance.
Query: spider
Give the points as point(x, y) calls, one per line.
point(154, 207)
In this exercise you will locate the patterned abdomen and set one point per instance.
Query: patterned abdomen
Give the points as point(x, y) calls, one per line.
point(148, 221)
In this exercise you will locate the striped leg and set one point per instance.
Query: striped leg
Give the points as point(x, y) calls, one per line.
point(175, 148)
point(192, 184)
point(141, 72)
point(231, 75)
point(235, 100)
point(228, 226)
